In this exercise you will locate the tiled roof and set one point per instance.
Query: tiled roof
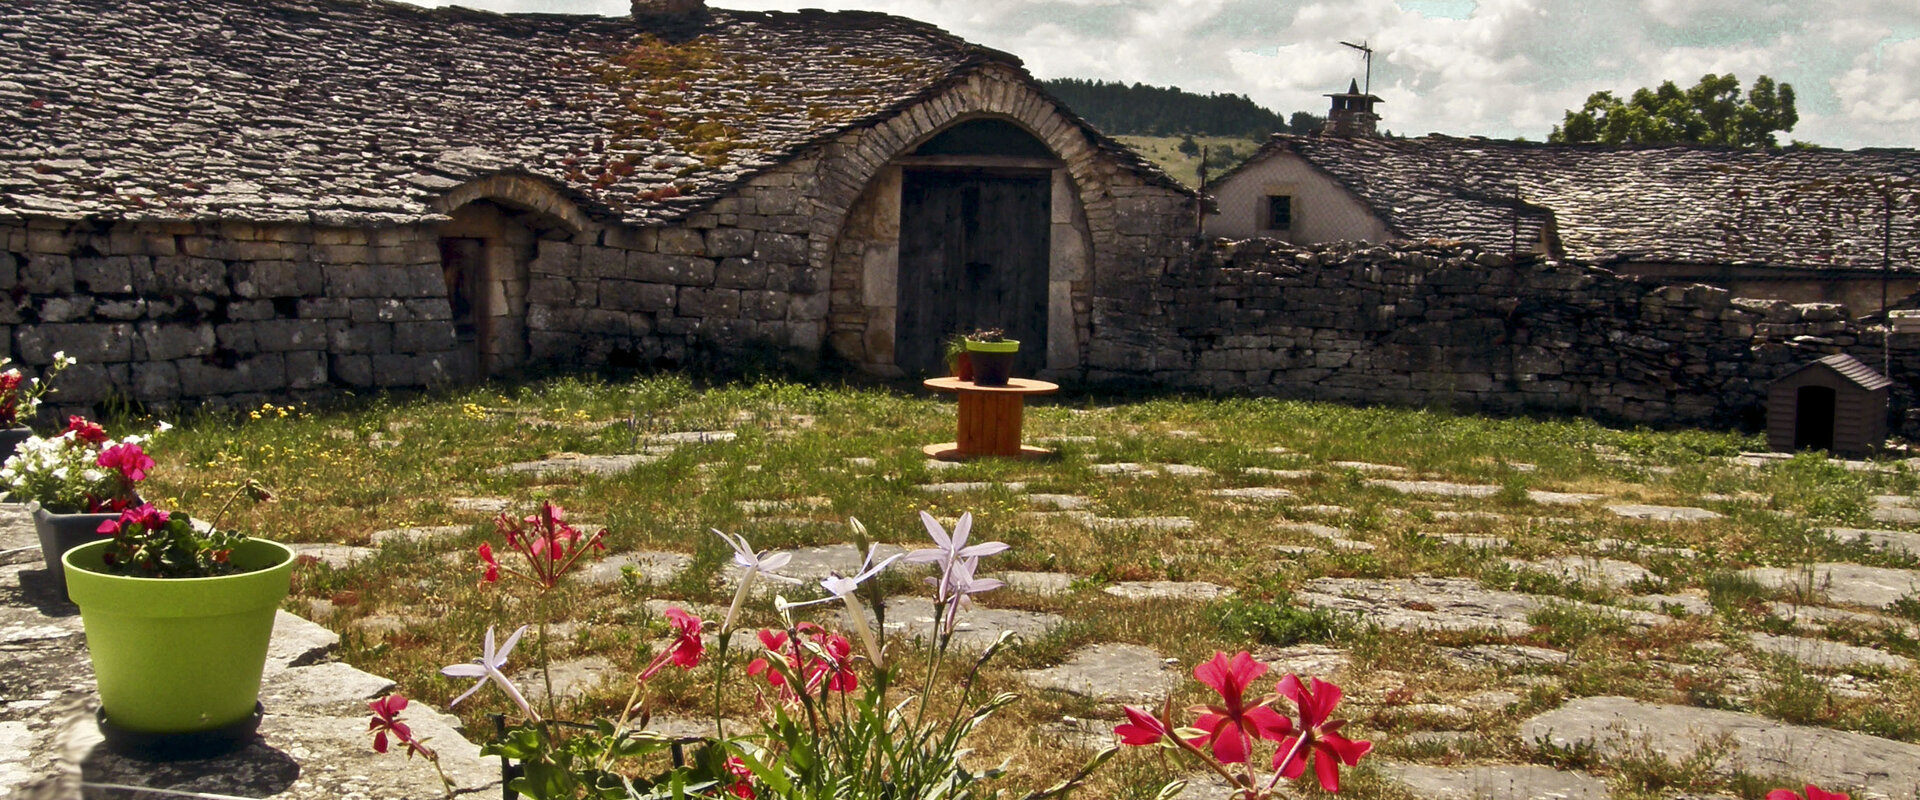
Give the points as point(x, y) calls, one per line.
point(363, 111)
point(1602, 204)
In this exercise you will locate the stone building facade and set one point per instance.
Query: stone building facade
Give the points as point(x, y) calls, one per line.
point(318, 241)
point(1800, 225)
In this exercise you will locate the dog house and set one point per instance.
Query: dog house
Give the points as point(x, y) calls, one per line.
point(1836, 404)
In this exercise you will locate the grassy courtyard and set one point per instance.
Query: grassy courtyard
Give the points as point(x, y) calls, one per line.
point(1369, 496)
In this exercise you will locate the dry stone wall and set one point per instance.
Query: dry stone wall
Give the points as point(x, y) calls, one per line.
point(164, 313)
point(1446, 324)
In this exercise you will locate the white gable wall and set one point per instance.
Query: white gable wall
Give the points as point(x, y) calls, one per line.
point(1322, 210)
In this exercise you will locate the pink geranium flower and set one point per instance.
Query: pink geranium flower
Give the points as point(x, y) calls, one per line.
point(131, 461)
point(144, 516)
point(686, 648)
point(836, 665)
point(1232, 725)
point(386, 720)
point(1813, 793)
point(1317, 737)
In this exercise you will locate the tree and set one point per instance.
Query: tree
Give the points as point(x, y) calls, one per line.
point(1712, 112)
point(1305, 124)
point(1189, 147)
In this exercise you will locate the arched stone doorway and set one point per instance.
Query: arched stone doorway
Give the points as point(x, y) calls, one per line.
point(978, 224)
point(485, 248)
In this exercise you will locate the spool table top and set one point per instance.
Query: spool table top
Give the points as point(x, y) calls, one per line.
point(1014, 386)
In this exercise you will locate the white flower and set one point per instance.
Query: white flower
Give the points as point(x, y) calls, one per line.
point(751, 564)
point(487, 667)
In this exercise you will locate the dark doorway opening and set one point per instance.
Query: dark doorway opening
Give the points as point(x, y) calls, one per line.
point(462, 263)
point(974, 253)
point(1813, 418)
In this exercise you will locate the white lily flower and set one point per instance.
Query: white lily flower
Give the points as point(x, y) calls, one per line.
point(752, 564)
point(843, 589)
point(952, 548)
point(487, 667)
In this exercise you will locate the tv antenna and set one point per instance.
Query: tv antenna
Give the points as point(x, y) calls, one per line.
point(1362, 47)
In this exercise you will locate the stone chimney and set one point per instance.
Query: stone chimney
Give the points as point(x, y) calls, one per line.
point(1352, 114)
point(643, 9)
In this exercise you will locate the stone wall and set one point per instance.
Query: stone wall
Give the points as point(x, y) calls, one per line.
point(1445, 324)
point(161, 313)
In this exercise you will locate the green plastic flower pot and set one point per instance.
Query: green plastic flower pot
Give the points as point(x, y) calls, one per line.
point(179, 655)
point(992, 361)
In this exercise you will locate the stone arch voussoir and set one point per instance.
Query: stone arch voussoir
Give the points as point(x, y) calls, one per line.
point(519, 191)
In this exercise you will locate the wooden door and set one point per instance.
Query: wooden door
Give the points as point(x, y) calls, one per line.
point(462, 264)
point(973, 254)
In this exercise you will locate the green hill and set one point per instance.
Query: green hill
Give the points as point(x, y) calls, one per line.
point(1120, 109)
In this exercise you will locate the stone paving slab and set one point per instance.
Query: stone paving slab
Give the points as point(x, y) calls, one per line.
point(338, 556)
point(1304, 660)
point(976, 627)
point(1124, 468)
point(961, 487)
point(1562, 498)
point(417, 535)
point(1185, 471)
point(1662, 513)
point(1445, 604)
point(1823, 654)
point(1616, 726)
point(677, 438)
point(1362, 466)
point(570, 463)
point(1322, 510)
point(1817, 618)
point(329, 687)
point(1197, 591)
point(572, 678)
point(1495, 782)
point(1263, 494)
point(1279, 474)
point(1040, 583)
point(1841, 582)
point(1447, 515)
point(1894, 515)
point(1476, 541)
point(1436, 488)
point(1060, 502)
point(480, 505)
point(1895, 541)
point(1110, 673)
point(1691, 605)
point(1161, 524)
point(1604, 571)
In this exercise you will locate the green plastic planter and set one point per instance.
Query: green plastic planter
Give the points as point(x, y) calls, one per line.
point(992, 361)
point(179, 655)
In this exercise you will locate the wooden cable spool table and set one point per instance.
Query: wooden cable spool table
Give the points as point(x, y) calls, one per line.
point(989, 419)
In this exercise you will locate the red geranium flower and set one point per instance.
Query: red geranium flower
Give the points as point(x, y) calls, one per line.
point(491, 567)
point(86, 431)
point(1232, 726)
point(1813, 793)
point(686, 648)
point(742, 785)
point(386, 719)
point(837, 667)
point(1317, 734)
point(1141, 728)
point(143, 516)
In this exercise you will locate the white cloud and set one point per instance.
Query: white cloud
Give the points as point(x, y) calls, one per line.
point(1464, 67)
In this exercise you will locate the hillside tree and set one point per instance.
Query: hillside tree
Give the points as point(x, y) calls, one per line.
point(1712, 112)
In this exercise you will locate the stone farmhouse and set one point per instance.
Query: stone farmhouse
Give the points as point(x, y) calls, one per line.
point(231, 199)
point(1797, 225)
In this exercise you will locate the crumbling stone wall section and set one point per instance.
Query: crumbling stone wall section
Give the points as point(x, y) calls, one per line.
point(1446, 324)
point(224, 312)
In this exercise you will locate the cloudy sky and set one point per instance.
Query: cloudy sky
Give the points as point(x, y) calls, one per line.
point(1503, 68)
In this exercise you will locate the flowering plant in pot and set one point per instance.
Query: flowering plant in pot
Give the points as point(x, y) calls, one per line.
point(178, 616)
point(20, 398)
point(76, 480)
point(993, 355)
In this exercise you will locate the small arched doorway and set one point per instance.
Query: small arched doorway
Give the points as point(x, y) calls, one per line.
point(976, 221)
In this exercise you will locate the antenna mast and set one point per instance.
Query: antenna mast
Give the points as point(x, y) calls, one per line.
point(1362, 47)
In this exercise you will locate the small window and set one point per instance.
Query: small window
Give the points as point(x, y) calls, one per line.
point(1279, 212)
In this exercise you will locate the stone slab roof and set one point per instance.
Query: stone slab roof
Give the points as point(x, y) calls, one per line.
point(1651, 204)
point(364, 111)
